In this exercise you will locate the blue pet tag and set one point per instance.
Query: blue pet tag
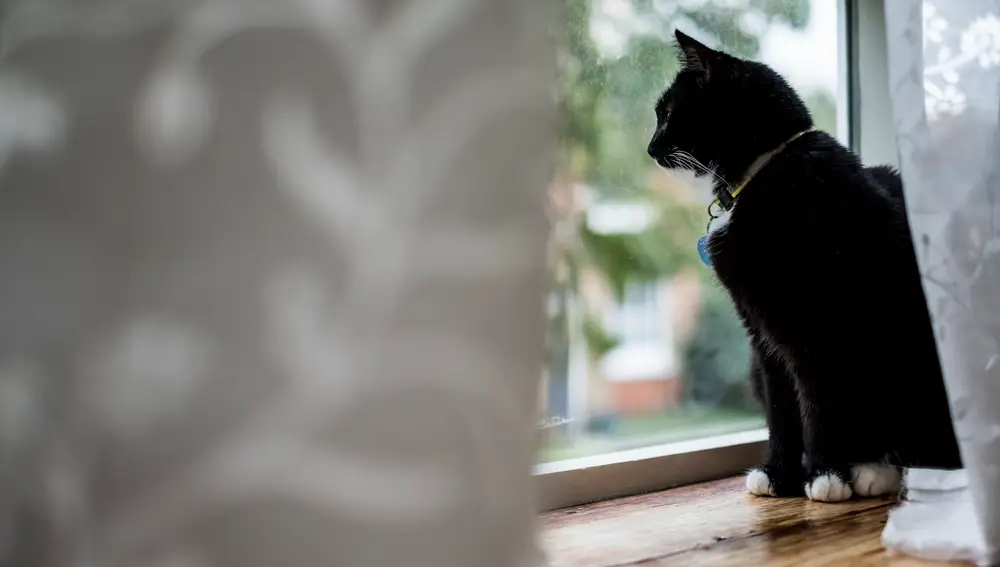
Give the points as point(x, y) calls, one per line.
point(703, 251)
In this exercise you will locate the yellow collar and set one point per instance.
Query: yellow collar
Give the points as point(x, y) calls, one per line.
point(755, 167)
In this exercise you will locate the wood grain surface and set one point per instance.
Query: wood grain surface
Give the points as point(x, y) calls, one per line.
point(718, 524)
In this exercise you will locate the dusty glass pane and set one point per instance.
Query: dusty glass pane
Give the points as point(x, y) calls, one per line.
point(644, 347)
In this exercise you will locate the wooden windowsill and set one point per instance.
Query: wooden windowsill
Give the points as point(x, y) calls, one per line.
point(717, 524)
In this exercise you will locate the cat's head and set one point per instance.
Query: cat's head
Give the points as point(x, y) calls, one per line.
point(724, 112)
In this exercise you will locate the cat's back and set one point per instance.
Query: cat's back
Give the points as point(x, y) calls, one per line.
point(813, 209)
point(888, 178)
point(817, 239)
point(832, 203)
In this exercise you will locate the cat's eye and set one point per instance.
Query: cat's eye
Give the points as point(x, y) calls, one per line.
point(663, 112)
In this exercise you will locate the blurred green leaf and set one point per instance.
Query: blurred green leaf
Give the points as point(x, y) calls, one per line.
point(716, 357)
point(599, 341)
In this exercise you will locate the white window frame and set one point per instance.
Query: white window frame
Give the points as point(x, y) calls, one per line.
point(864, 123)
point(638, 309)
point(650, 353)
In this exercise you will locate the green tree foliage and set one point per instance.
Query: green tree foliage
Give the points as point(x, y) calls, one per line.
point(716, 357)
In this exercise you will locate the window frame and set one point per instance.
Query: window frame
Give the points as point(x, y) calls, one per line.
point(865, 124)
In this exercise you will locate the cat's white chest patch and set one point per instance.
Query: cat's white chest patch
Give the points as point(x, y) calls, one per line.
point(704, 187)
point(719, 222)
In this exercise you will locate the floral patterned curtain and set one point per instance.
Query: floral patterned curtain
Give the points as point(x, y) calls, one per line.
point(272, 281)
point(944, 63)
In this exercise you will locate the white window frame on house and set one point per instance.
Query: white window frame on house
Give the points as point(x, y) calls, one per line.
point(642, 323)
point(865, 123)
point(636, 317)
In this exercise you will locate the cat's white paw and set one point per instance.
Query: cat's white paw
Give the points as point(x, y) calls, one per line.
point(758, 483)
point(828, 488)
point(875, 479)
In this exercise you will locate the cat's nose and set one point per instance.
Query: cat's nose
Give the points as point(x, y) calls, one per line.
point(654, 149)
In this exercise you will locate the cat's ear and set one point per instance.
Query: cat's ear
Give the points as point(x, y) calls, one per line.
point(694, 55)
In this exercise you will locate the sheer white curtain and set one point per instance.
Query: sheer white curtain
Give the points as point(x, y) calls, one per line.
point(944, 63)
point(272, 281)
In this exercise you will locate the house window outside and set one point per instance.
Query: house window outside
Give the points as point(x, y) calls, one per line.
point(639, 316)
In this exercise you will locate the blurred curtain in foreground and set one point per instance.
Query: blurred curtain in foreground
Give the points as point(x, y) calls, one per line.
point(272, 281)
point(944, 65)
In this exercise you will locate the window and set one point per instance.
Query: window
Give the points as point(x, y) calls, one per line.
point(647, 361)
point(645, 349)
point(638, 319)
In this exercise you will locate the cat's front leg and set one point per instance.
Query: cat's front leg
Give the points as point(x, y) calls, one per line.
point(827, 438)
point(782, 472)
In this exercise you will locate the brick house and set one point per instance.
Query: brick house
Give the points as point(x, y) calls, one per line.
point(643, 373)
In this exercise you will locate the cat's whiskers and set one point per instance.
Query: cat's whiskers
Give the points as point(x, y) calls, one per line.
point(685, 158)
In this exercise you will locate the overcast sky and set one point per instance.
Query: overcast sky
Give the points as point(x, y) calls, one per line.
point(807, 58)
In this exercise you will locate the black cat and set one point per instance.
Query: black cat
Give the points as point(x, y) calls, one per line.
point(815, 250)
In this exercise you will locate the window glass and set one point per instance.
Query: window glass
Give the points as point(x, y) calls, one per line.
point(643, 345)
